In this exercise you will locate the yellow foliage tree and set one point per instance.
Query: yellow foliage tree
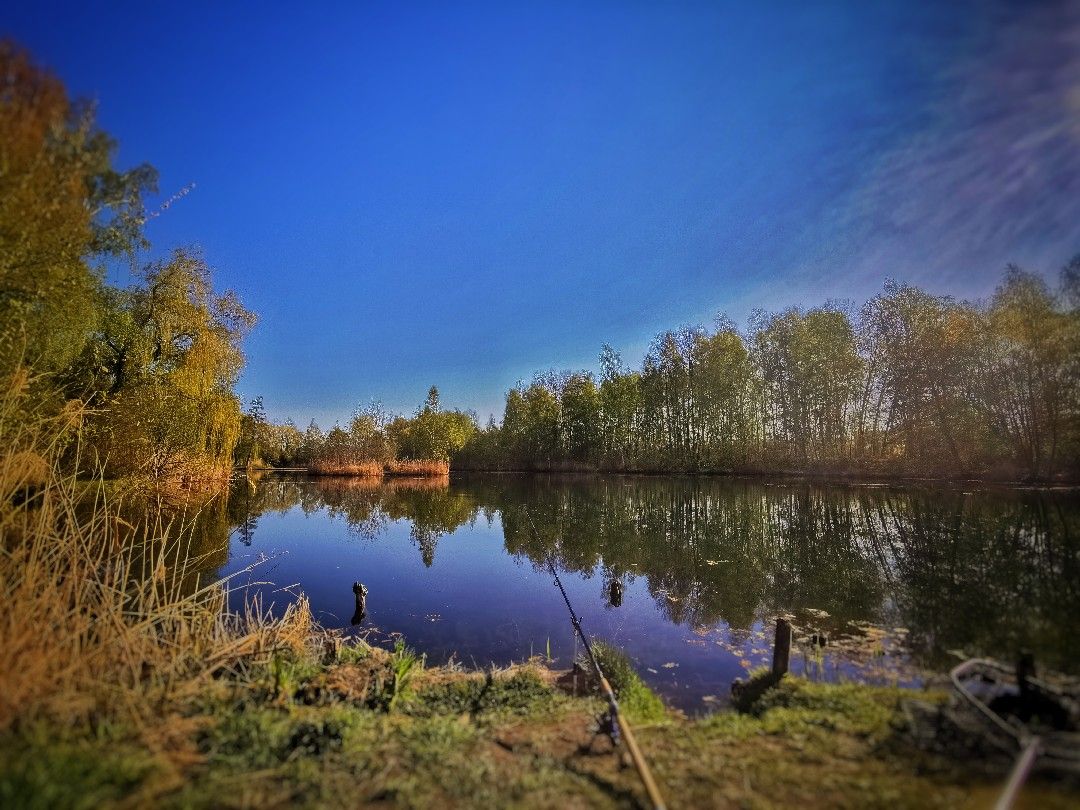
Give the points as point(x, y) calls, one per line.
point(61, 204)
point(172, 358)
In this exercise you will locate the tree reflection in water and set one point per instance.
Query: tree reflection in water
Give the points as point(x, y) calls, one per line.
point(983, 572)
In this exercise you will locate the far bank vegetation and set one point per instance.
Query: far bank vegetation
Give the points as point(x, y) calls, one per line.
point(910, 384)
point(373, 444)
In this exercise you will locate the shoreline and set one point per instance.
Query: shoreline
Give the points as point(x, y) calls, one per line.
point(797, 476)
point(856, 479)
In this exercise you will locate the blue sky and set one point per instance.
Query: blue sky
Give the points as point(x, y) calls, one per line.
point(463, 194)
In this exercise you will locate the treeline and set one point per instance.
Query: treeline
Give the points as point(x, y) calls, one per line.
point(911, 384)
point(372, 442)
point(145, 372)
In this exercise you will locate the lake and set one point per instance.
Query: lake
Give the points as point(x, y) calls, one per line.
point(901, 580)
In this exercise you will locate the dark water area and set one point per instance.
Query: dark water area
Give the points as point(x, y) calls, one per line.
point(901, 580)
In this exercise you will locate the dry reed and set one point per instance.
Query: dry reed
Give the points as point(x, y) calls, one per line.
point(418, 468)
point(97, 624)
point(358, 468)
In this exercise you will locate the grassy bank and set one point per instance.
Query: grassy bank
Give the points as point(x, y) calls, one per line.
point(357, 726)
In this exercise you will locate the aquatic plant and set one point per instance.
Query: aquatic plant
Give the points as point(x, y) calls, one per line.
point(404, 662)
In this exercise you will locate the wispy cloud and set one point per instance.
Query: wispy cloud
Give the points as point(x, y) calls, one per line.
point(992, 176)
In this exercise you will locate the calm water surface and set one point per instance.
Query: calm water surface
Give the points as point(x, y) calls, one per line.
point(899, 579)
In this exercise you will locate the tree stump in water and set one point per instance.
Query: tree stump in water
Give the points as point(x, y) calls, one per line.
point(781, 648)
point(360, 592)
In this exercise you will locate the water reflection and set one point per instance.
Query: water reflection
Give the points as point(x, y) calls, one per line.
point(985, 572)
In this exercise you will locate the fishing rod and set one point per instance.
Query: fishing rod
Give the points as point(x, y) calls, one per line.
point(619, 725)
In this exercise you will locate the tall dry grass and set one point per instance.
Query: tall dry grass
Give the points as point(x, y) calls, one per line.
point(376, 469)
point(418, 468)
point(97, 624)
point(372, 469)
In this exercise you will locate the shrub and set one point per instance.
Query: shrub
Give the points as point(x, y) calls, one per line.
point(636, 700)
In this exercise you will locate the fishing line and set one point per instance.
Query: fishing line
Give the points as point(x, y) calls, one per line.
point(618, 727)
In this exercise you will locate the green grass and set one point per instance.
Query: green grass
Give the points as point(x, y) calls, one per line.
point(299, 733)
point(288, 672)
point(636, 700)
point(404, 662)
point(353, 653)
point(867, 711)
point(430, 747)
point(486, 698)
point(39, 772)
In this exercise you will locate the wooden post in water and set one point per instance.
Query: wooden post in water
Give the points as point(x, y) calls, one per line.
point(781, 655)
